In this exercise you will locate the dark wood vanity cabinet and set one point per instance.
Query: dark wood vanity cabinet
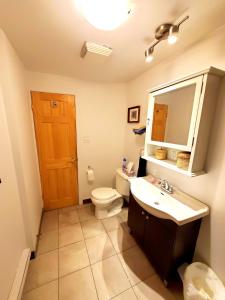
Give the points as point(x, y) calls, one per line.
point(166, 244)
point(136, 220)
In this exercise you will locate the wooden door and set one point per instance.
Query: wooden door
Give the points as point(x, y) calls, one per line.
point(159, 122)
point(54, 119)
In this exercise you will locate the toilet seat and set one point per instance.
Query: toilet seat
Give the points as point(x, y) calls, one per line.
point(103, 194)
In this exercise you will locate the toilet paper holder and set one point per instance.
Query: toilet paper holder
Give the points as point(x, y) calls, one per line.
point(90, 174)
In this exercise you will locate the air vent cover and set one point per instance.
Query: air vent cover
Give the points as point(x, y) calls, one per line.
point(94, 52)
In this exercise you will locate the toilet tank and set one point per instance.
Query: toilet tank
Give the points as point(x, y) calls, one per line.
point(122, 183)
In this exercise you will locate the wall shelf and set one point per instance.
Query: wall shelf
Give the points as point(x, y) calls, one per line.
point(170, 164)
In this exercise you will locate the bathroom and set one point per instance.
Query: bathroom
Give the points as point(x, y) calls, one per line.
point(40, 51)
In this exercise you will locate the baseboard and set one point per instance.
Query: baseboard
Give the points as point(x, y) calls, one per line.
point(33, 253)
point(125, 203)
point(87, 201)
point(19, 280)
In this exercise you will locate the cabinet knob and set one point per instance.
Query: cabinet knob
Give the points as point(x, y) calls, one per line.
point(143, 213)
point(147, 217)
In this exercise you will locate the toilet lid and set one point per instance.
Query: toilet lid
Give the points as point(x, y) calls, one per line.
point(103, 193)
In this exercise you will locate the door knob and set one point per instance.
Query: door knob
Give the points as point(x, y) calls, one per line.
point(142, 212)
point(72, 160)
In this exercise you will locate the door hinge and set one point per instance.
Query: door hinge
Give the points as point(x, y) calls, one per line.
point(193, 140)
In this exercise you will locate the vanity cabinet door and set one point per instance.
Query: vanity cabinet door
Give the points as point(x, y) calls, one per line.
point(159, 243)
point(136, 220)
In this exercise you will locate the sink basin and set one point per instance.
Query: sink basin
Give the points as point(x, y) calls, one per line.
point(179, 207)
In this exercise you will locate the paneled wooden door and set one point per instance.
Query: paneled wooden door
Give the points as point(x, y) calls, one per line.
point(55, 129)
point(159, 122)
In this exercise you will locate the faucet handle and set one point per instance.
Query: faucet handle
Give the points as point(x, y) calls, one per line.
point(163, 183)
point(170, 189)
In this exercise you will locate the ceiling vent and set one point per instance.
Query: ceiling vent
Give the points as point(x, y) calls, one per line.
point(94, 52)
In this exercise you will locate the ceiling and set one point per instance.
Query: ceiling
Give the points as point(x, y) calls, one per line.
point(48, 35)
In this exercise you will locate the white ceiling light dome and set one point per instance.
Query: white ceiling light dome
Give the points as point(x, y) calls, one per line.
point(105, 14)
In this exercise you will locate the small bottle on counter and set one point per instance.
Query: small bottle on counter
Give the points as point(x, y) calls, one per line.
point(124, 164)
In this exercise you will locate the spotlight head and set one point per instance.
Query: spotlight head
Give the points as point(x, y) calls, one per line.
point(173, 34)
point(148, 55)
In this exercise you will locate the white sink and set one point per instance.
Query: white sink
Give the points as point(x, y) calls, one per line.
point(179, 207)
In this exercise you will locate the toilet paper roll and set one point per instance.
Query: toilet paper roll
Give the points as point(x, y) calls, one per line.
point(90, 175)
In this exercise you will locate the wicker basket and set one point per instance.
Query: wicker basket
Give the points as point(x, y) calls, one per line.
point(183, 159)
point(160, 154)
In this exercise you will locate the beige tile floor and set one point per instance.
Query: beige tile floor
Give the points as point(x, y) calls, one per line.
point(82, 258)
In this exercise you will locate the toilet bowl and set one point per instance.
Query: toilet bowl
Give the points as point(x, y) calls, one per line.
point(201, 283)
point(108, 201)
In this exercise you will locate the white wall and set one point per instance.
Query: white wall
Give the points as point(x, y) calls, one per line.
point(13, 239)
point(208, 188)
point(12, 231)
point(100, 119)
point(17, 106)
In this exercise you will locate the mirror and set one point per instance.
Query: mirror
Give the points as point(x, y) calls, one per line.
point(172, 115)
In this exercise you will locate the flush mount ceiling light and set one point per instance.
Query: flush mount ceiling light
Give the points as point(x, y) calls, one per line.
point(166, 31)
point(105, 14)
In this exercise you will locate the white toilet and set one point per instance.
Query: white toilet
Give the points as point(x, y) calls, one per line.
point(108, 201)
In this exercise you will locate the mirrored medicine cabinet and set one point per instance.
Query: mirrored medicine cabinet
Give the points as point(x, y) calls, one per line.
point(179, 118)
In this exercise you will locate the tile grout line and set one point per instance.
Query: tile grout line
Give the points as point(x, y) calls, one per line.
point(47, 252)
point(122, 293)
point(84, 239)
point(56, 279)
point(53, 250)
point(108, 236)
point(119, 262)
point(112, 242)
point(132, 285)
point(134, 291)
point(46, 283)
point(89, 263)
point(72, 272)
point(117, 254)
point(123, 266)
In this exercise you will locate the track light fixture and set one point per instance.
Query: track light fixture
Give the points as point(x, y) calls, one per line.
point(164, 31)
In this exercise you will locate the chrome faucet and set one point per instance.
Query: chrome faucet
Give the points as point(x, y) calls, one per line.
point(166, 186)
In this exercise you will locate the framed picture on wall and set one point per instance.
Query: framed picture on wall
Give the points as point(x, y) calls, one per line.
point(133, 114)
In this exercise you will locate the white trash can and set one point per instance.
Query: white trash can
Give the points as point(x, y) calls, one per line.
point(201, 283)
